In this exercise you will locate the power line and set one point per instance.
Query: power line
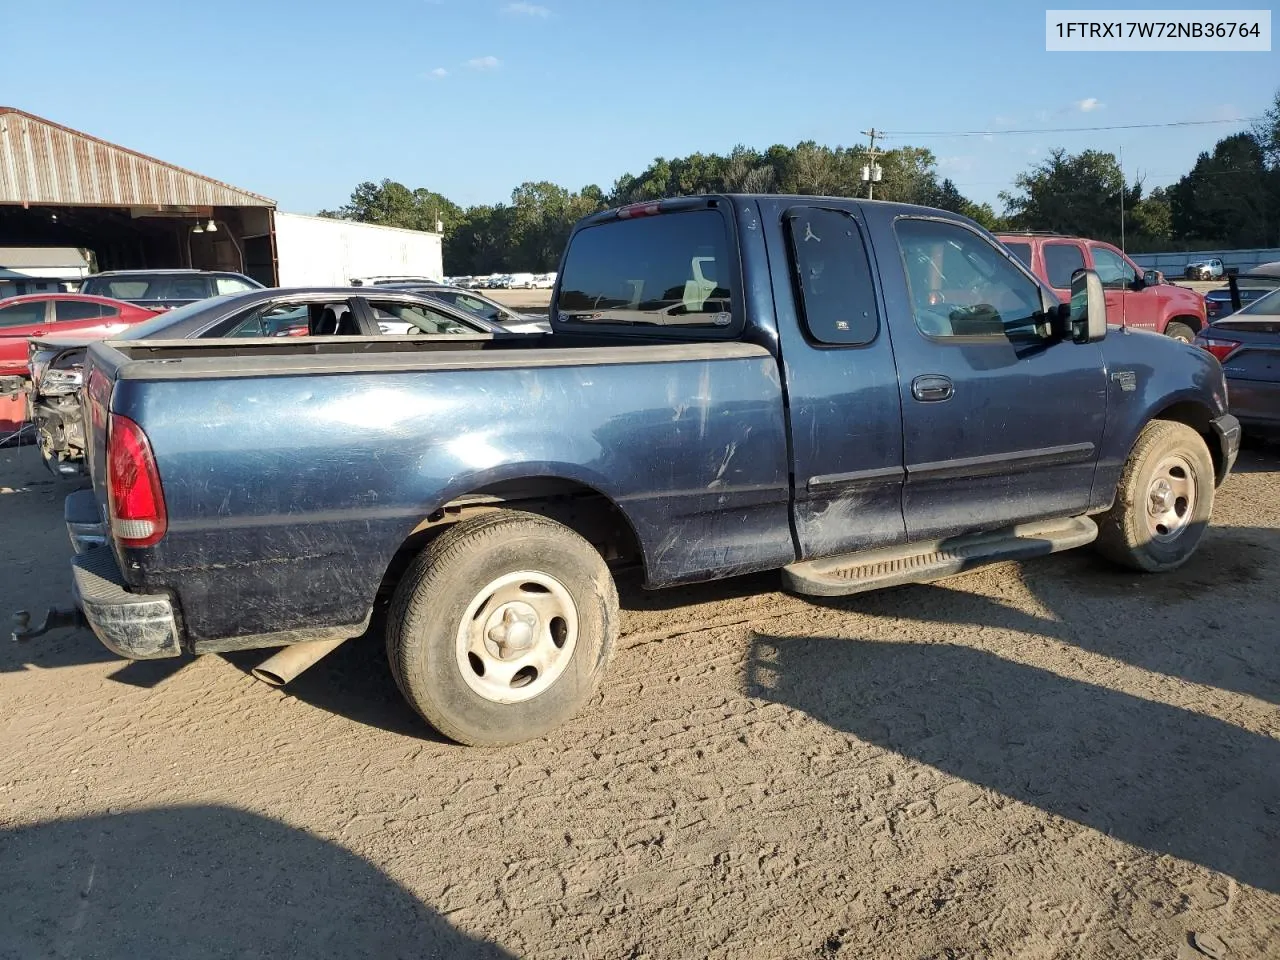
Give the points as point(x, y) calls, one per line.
point(1000, 133)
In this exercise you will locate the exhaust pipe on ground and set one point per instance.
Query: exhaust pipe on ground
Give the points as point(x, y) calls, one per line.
point(282, 667)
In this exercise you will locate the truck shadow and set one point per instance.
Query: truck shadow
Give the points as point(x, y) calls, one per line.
point(1159, 777)
point(1212, 621)
point(206, 882)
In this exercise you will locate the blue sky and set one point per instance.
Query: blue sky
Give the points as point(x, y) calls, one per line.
point(471, 97)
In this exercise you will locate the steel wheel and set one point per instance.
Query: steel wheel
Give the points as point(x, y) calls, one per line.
point(1171, 498)
point(517, 636)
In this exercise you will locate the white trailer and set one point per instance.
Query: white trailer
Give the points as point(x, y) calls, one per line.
point(320, 251)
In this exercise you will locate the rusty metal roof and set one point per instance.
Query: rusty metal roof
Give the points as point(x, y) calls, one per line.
point(43, 162)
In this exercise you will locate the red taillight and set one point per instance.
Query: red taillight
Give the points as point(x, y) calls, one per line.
point(134, 496)
point(1219, 348)
point(639, 210)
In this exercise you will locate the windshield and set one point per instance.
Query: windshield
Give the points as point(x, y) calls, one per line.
point(154, 328)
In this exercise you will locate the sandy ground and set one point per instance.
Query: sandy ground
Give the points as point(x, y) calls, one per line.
point(1045, 760)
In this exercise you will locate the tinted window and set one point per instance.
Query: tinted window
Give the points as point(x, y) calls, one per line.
point(281, 320)
point(22, 314)
point(1111, 267)
point(665, 270)
point(1061, 260)
point(184, 288)
point(159, 327)
point(837, 296)
point(961, 285)
point(77, 310)
point(1020, 250)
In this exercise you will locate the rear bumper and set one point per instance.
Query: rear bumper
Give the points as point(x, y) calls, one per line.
point(1255, 402)
point(1227, 430)
point(138, 626)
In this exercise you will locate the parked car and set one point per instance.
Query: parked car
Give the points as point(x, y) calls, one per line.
point(55, 363)
point(482, 306)
point(383, 280)
point(520, 281)
point(544, 281)
point(1135, 298)
point(1210, 269)
point(1247, 344)
point(166, 289)
point(483, 493)
point(1249, 287)
point(37, 314)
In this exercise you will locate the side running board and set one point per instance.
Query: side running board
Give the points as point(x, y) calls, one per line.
point(933, 560)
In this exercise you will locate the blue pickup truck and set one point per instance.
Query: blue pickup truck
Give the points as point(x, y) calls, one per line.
point(858, 394)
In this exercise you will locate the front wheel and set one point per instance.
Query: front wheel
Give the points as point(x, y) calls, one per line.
point(1163, 501)
point(1180, 331)
point(502, 628)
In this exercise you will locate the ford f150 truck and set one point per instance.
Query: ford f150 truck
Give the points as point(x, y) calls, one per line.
point(858, 394)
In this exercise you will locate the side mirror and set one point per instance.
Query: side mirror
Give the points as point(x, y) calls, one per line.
point(1151, 278)
point(1088, 307)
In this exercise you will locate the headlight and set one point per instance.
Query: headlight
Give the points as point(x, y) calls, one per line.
point(59, 383)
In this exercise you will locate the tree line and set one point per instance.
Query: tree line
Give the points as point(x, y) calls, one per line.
point(1229, 199)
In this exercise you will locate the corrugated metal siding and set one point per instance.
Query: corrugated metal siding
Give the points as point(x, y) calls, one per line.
point(42, 162)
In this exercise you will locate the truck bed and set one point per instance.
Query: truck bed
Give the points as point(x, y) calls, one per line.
point(293, 470)
point(286, 356)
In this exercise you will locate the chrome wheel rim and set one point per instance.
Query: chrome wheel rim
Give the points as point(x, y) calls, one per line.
point(517, 636)
point(1171, 498)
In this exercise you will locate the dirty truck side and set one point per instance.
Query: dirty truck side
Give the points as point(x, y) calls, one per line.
point(857, 394)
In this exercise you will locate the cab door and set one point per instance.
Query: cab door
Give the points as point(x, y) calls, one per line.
point(1000, 423)
point(1137, 307)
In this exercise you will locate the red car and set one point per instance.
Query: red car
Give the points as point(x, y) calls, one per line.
point(41, 314)
point(1135, 297)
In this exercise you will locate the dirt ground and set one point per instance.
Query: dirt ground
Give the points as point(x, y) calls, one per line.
point(1044, 760)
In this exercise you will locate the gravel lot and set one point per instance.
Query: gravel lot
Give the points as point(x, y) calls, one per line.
point(1038, 760)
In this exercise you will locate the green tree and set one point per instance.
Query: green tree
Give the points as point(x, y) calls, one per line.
point(1228, 198)
point(1071, 193)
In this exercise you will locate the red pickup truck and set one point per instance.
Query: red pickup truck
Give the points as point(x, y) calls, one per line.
point(1135, 297)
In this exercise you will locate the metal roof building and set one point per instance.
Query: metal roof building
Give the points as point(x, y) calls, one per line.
point(63, 188)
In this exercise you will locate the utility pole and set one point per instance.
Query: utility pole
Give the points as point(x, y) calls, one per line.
point(1122, 186)
point(871, 172)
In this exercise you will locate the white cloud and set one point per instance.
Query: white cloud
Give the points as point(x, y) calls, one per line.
point(1042, 116)
point(484, 63)
point(956, 164)
point(438, 72)
point(521, 8)
point(1088, 105)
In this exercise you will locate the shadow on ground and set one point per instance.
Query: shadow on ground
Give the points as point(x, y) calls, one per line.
point(1159, 777)
point(206, 882)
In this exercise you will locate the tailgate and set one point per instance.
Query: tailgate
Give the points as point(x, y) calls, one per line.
point(100, 366)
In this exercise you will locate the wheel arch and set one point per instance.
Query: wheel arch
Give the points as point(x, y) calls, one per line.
point(580, 506)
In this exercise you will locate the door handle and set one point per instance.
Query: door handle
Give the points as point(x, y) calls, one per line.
point(932, 388)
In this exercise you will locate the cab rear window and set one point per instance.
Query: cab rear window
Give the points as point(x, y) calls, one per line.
point(669, 270)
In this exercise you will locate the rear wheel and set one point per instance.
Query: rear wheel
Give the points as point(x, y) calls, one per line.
point(502, 628)
point(1180, 331)
point(1163, 501)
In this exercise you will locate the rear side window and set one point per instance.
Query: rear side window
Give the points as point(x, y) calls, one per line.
point(76, 310)
point(1020, 250)
point(22, 314)
point(1061, 260)
point(232, 285)
point(833, 277)
point(668, 270)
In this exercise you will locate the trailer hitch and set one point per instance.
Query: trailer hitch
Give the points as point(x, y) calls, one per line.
point(55, 619)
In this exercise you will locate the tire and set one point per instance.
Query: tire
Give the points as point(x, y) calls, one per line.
point(1131, 533)
point(484, 572)
point(1179, 331)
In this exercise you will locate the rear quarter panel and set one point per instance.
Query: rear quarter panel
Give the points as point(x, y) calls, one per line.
point(288, 496)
